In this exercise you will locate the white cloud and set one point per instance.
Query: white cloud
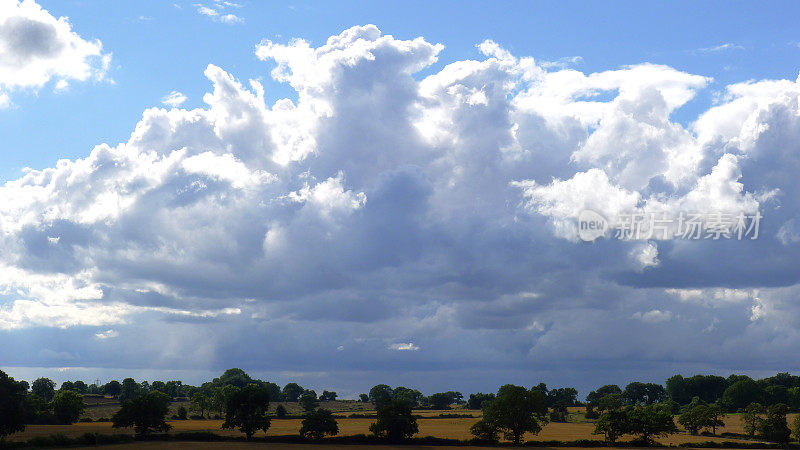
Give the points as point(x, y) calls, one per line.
point(653, 316)
point(36, 47)
point(174, 99)
point(384, 203)
point(404, 347)
point(108, 334)
point(719, 48)
point(216, 12)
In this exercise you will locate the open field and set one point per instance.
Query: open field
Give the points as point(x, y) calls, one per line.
point(104, 407)
point(441, 428)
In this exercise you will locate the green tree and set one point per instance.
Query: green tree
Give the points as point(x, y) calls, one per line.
point(476, 400)
point(44, 388)
point(752, 417)
point(112, 388)
point(611, 401)
point(247, 410)
point(280, 412)
point(130, 389)
point(516, 410)
point(292, 392)
point(319, 423)
point(308, 401)
point(328, 396)
point(395, 421)
point(774, 427)
point(233, 377)
point(612, 424)
point(697, 415)
point(411, 396)
point(145, 414)
point(638, 393)
point(441, 400)
point(363, 398)
point(220, 395)
point(183, 414)
point(67, 406)
point(485, 432)
point(742, 393)
point(12, 406)
point(716, 417)
point(380, 394)
point(200, 403)
point(649, 422)
point(796, 428)
point(81, 387)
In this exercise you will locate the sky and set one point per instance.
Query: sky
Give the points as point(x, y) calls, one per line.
point(357, 193)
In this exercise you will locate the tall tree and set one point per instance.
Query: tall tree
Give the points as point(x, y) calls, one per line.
point(742, 393)
point(44, 388)
point(650, 421)
point(292, 392)
point(12, 406)
point(146, 414)
point(319, 423)
point(517, 410)
point(752, 417)
point(67, 406)
point(395, 421)
point(380, 394)
point(774, 427)
point(247, 410)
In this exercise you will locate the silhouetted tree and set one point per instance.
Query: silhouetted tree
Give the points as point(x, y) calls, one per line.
point(247, 410)
point(516, 410)
point(774, 427)
point(395, 421)
point(380, 395)
point(146, 414)
point(328, 396)
point(308, 401)
point(319, 423)
point(476, 400)
point(292, 392)
point(12, 404)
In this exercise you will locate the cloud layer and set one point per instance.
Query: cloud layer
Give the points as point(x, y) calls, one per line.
point(416, 223)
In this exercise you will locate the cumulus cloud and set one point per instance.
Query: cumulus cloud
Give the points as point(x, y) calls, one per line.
point(381, 203)
point(36, 47)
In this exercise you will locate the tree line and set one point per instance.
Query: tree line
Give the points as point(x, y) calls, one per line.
point(642, 410)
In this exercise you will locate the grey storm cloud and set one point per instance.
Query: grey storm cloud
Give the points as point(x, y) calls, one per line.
point(437, 213)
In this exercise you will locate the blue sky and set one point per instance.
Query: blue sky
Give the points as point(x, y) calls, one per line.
point(407, 215)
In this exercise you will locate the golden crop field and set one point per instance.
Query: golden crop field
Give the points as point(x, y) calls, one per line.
point(443, 428)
